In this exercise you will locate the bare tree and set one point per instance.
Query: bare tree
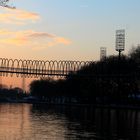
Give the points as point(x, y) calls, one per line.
point(4, 3)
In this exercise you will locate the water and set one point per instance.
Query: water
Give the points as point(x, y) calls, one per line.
point(37, 122)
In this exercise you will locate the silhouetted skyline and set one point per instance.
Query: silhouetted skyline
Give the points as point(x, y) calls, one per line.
point(66, 30)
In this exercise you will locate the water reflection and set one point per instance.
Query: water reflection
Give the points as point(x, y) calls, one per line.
point(97, 123)
point(14, 121)
point(37, 122)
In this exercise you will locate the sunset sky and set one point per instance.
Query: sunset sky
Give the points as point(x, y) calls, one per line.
point(66, 29)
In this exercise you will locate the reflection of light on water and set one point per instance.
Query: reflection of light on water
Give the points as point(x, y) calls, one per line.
point(14, 121)
point(37, 122)
point(49, 126)
point(17, 122)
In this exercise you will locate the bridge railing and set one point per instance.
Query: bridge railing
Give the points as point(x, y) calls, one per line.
point(36, 68)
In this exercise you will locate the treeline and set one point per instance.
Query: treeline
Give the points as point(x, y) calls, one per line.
point(11, 94)
point(109, 81)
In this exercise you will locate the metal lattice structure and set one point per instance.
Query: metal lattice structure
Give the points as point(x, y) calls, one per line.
point(102, 53)
point(120, 41)
point(38, 68)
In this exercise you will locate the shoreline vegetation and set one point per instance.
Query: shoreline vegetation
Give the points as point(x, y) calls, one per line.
point(110, 82)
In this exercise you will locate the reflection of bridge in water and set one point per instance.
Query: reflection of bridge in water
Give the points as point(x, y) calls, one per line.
point(37, 68)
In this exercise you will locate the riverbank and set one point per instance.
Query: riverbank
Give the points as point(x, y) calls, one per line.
point(111, 106)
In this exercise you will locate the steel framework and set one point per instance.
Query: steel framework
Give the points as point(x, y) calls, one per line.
point(38, 68)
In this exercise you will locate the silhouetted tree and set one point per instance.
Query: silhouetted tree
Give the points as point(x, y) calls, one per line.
point(134, 54)
point(111, 80)
point(4, 3)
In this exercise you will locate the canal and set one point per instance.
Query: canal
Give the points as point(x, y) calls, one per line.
point(43, 122)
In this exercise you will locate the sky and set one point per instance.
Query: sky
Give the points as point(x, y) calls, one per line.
point(66, 29)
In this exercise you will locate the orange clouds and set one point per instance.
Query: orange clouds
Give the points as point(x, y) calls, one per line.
point(14, 41)
point(37, 40)
point(40, 34)
point(12, 38)
point(16, 16)
point(63, 40)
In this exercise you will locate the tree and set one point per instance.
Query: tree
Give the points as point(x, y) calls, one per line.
point(4, 3)
point(135, 54)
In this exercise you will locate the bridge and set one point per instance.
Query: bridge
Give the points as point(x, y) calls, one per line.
point(42, 69)
point(39, 68)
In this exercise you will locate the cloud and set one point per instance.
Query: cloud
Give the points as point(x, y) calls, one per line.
point(40, 34)
point(17, 16)
point(62, 40)
point(14, 41)
point(58, 40)
point(39, 40)
point(17, 38)
point(4, 32)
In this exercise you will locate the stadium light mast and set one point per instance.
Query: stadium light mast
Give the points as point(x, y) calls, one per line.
point(120, 41)
point(102, 53)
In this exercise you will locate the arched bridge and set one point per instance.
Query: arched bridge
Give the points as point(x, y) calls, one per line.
point(37, 68)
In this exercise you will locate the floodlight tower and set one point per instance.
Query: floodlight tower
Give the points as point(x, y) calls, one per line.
point(102, 53)
point(120, 41)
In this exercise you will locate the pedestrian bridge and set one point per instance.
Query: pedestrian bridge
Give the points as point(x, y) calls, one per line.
point(39, 68)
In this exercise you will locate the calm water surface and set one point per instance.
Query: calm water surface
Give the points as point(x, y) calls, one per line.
point(36, 122)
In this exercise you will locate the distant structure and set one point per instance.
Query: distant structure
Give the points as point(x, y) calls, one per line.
point(120, 41)
point(23, 84)
point(0, 81)
point(102, 53)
